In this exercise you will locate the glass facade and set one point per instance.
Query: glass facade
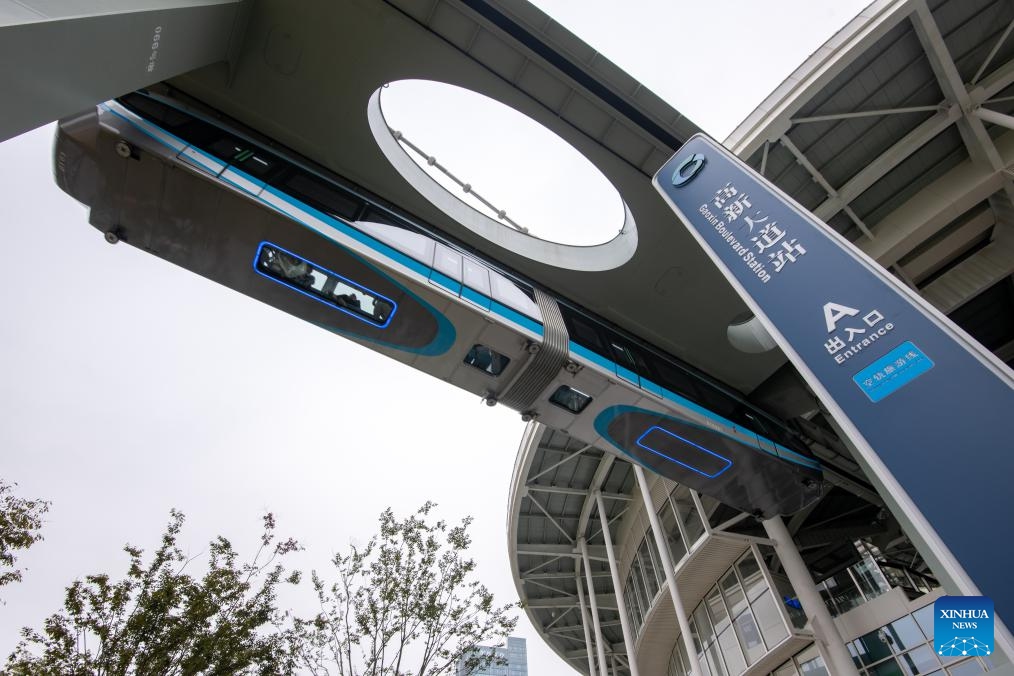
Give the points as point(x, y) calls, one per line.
point(737, 622)
point(513, 660)
point(750, 610)
point(905, 648)
point(901, 648)
point(681, 520)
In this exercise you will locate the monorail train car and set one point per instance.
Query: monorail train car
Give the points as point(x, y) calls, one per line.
point(171, 178)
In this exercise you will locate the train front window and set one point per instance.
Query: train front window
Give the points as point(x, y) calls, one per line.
point(573, 400)
point(487, 360)
point(323, 285)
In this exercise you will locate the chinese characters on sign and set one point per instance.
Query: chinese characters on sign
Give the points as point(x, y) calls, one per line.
point(857, 336)
point(892, 371)
point(764, 242)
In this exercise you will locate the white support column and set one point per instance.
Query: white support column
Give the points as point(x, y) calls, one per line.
point(670, 573)
point(599, 642)
point(584, 623)
point(621, 606)
point(57, 59)
point(829, 640)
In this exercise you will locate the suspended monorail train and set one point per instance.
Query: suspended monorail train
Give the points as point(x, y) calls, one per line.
point(173, 179)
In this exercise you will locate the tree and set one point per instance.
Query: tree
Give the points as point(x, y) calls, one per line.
point(160, 620)
point(405, 603)
point(20, 523)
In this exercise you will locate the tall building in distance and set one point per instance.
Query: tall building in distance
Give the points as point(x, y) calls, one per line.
point(515, 654)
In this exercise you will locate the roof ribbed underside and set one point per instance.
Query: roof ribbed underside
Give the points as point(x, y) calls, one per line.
point(874, 131)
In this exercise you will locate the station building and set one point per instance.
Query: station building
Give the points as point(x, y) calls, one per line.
point(896, 133)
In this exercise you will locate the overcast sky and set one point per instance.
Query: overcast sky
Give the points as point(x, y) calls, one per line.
point(131, 386)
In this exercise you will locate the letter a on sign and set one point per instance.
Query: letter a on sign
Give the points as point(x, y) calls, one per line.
point(833, 312)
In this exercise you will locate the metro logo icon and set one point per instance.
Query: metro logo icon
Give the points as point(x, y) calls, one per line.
point(963, 625)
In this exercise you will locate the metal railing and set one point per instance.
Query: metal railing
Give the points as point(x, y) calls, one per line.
point(431, 161)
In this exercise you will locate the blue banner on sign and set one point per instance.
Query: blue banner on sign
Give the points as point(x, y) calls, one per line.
point(893, 371)
point(905, 381)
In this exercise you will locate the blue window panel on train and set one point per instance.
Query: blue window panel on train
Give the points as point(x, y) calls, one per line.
point(593, 357)
point(516, 317)
point(201, 160)
point(473, 296)
point(683, 452)
point(242, 180)
point(627, 374)
point(440, 279)
point(649, 386)
point(476, 287)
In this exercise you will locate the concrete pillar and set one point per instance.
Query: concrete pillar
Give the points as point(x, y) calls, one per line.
point(621, 606)
point(829, 640)
point(57, 59)
point(670, 573)
point(599, 642)
point(585, 625)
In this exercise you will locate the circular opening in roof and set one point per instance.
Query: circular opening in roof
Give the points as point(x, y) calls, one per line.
point(503, 169)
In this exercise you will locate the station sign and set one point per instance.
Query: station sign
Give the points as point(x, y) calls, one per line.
point(924, 406)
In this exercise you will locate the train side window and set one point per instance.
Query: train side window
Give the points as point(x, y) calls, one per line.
point(328, 287)
point(320, 194)
point(584, 334)
point(573, 400)
point(487, 360)
point(675, 379)
point(624, 356)
point(164, 115)
point(243, 155)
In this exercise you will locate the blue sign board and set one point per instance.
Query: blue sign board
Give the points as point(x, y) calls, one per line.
point(928, 410)
point(963, 625)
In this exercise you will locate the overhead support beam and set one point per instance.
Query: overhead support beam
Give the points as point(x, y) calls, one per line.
point(601, 472)
point(617, 517)
point(973, 132)
point(865, 113)
point(995, 117)
point(563, 575)
point(950, 246)
point(994, 83)
point(604, 602)
point(552, 520)
point(944, 200)
point(550, 587)
point(804, 161)
point(971, 276)
point(596, 552)
point(888, 160)
point(567, 459)
point(57, 59)
point(836, 536)
point(560, 490)
point(992, 52)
